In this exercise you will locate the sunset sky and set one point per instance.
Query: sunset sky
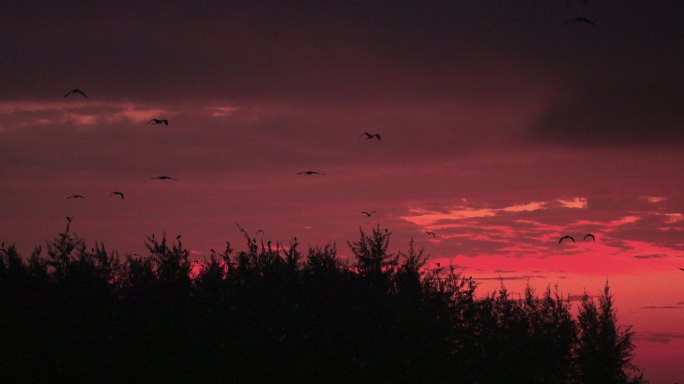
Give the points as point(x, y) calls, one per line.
point(504, 126)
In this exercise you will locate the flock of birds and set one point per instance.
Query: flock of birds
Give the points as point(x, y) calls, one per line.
point(367, 135)
point(568, 237)
point(165, 122)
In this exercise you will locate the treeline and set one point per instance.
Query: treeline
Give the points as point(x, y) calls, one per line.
point(268, 314)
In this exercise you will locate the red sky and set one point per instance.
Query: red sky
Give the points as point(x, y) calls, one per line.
point(503, 128)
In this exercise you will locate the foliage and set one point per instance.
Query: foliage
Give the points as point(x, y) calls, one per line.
point(269, 314)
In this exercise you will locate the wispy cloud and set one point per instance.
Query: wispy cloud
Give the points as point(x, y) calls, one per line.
point(430, 217)
point(659, 337)
point(652, 256)
point(655, 199)
point(577, 202)
point(517, 277)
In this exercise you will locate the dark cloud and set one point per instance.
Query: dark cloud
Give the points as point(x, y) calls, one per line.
point(329, 52)
point(615, 114)
point(343, 53)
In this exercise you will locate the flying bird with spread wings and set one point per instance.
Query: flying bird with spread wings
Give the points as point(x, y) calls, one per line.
point(76, 197)
point(434, 235)
point(588, 235)
point(370, 136)
point(368, 214)
point(240, 227)
point(566, 237)
point(159, 121)
point(581, 19)
point(76, 90)
point(163, 178)
point(310, 173)
point(120, 195)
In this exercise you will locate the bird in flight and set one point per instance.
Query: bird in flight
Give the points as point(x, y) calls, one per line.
point(159, 121)
point(434, 236)
point(240, 227)
point(119, 194)
point(76, 90)
point(76, 197)
point(581, 19)
point(163, 178)
point(589, 235)
point(566, 237)
point(310, 173)
point(368, 214)
point(370, 136)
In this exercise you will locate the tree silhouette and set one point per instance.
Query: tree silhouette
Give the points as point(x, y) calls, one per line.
point(604, 350)
point(270, 313)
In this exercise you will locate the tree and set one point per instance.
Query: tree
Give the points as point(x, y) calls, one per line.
point(604, 350)
point(371, 254)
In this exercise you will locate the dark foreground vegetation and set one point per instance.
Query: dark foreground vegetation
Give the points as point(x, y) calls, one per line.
point(74, 314)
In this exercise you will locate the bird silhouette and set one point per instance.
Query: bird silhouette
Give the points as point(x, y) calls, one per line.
point(370, 136)
point(310, 173)
point(240, 227)
point(159, 121)
point(76, 90)
point(581, 19)
point(434, 236)
point(119, 194)
point(566, 237)
point(589, 235)
point(368, 214)
point(76, 197)
point(163, 178)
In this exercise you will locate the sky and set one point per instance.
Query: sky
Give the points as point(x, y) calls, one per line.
point(504, 126)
